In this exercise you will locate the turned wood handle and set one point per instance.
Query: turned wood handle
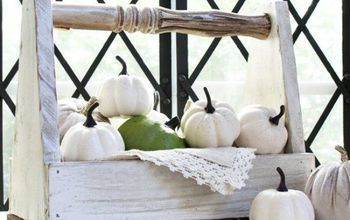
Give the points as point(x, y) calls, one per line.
point(159, 20)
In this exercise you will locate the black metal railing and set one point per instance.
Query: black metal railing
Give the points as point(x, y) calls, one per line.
point(186, 80)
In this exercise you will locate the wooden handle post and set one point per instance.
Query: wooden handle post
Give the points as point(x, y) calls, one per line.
point(159, 20)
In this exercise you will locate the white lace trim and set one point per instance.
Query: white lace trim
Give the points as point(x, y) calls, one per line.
point(218, 176)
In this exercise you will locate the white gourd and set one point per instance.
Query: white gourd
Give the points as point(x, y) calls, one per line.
point(72, 111)
point(125, 95)
point(281, 204)
point(209, 123)
point(262, 128)
point(157, 116)
point(91, 140)
point(154, 114)
point(328, 187)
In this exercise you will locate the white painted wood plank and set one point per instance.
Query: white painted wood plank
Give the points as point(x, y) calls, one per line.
point(141, 190)
point(272, 77)
point(294, 120)
point(3, 215)
point(47, 81)
point(36, 134)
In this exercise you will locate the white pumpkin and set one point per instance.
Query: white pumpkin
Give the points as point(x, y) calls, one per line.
point(328, 187)
point(209, 123)
point(72, 111)
point(91, 141)
point(154, 114)
point(281, 204)
point(262, 129)
point(125, 95)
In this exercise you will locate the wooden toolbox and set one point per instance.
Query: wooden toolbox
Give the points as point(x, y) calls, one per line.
point(42, 187)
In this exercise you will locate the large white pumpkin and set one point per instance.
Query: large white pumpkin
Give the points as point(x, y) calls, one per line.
point(262, 128)
point(125, 95)
point(328, 187)
point(71, 111)
point(281, 204)
point(91, 140)
point(209, 123)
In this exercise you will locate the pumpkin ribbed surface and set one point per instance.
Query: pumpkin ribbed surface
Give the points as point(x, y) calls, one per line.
point(328, 188)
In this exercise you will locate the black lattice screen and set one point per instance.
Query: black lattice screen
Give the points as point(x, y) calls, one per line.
point(186, 80)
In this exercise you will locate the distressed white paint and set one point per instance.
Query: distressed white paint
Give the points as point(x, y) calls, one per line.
point(272, 77)
point(47, 80)
point(141, 190)
point(36, 134)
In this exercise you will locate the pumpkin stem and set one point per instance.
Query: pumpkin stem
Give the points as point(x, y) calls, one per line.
point(124, 70)
point(210, 108)
point(173, 123)
point(88, 105)
point(276, 119)
point(90, 122)
point(156, 97)
point(282, 187)
point(343, 153)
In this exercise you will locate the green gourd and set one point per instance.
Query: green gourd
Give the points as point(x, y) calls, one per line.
point(143, 133)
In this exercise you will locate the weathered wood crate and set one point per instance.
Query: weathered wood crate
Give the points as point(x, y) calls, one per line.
point(42, 187)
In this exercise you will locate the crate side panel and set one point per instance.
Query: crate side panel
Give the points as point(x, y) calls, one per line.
point(141, 190)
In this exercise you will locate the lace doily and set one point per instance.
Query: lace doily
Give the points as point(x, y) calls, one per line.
point(223, 169)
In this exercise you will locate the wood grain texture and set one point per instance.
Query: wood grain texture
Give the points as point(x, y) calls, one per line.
point(159, 20)
point(272, 77)
point(36, 133)
point(294, 120)
point(47, 81)
point(141, 190)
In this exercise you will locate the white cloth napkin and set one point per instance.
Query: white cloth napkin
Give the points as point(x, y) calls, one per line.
point(223, 169)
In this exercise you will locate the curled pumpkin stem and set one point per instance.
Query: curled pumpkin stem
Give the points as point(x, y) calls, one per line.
point(156, 97)
point(173, 123)
point(282, 187)
point(88, 105)
point(275, 120)
point(90, 122)
point(343, 153)
point(210, 108)
point(124, 70)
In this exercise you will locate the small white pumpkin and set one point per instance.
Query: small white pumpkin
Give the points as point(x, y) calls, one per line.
point(281, 204)
point(328, 187)
point(209, 123)
point(262, 129)
point(72, 111)
point(125, 95)
point(91, 141)
point(154, 114)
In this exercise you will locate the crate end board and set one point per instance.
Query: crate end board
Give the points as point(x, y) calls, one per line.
point(142, 190)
